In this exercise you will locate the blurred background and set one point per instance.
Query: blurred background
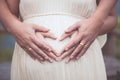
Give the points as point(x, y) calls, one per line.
point(111, 52)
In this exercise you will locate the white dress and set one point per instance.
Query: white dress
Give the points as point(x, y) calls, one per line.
point(57, 15)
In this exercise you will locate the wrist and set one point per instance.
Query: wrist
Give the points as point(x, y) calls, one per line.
point(97, 20)
point(11, 23)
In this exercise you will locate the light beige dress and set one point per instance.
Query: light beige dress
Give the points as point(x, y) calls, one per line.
point(58, 15)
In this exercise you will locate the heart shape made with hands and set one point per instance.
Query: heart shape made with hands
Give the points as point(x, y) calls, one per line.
point(57, 24)
point(55, 43)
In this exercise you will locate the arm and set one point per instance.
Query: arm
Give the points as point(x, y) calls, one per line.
point(25, 34)
point(6, 17)
point(103, 9)
point(13, 6)
point(109, 23)
point(88, 30)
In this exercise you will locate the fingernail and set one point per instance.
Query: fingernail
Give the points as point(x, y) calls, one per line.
point(58, 54)
point(67, 61)
point(58, 59)
point(51, 60)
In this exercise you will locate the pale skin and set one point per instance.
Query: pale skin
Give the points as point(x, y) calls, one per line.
point(75, 50)
point(25, 34)
point(32, 35)
point(86, 32)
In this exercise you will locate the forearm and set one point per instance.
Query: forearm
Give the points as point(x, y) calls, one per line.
point(103, 9)
point(13, 6)
point(109, 24)
point(6, 17)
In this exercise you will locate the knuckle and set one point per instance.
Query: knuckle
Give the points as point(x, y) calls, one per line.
point(27, 39)
point(35, 54)
point(30, 37)
point(41, 44)
point(47, 58)
point(22, 45)
point(43, 55)
point(83, 34)
point(73, 55)
point(74, 42)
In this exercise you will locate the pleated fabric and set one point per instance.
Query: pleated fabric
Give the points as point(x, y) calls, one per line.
point(58, 15)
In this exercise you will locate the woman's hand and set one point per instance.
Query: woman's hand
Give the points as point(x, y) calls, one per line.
point(26, 36)
point(86, 32)
point(41, 35)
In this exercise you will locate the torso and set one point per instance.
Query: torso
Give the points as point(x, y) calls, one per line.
point(57, 15)
point(82, 8)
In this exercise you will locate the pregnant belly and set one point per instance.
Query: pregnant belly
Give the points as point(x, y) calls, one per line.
point(57, 25)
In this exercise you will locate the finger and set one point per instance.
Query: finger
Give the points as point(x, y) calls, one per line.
point(83, 50)
point(38, 57)
point(74, 35)
point(52, 49)
point(72, 56)
point(49, 35)
point(34, 55)
point(78, 49)
point(67, 53)
point(73, 42)
point(33, 52)
point(41, 53)
point(67, 60)
point(65, 35)
point(51, 54)
point(40, 43)
point(72, 28)
point(40, 28)
point(72, 38)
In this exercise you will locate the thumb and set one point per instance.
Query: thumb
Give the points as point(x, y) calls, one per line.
point(49, 35)
point(72, 28)
point(65, 35)
point(41, 28)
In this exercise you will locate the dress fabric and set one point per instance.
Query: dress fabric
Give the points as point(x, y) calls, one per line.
point(58, 15)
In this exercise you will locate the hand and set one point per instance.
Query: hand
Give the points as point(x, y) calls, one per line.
point(87, 31)
point(41, 36)
point(25, 35)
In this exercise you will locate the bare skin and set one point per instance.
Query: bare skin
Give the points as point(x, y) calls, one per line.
point(25, 34)
point(87, 30)
point(41, 32)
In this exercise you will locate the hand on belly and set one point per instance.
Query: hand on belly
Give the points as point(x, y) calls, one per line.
point(57, 26)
